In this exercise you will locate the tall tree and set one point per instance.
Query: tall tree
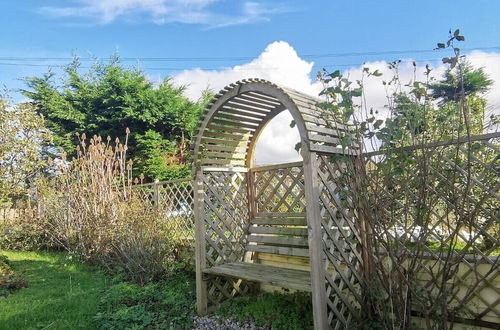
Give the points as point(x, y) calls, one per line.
point(106, 100)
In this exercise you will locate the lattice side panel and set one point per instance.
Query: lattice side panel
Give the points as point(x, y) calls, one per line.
point(226, 224)
point(280, 190)
point(175, 202)
point(453, 220)
point(340, 245)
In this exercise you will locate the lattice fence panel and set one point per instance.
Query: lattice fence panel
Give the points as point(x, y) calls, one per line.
point(174, 202)
point(341, 238)
point(444, 227)
point(226, 218)
point(280, 190)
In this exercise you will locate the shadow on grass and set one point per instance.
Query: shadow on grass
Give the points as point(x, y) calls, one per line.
point(61, 294)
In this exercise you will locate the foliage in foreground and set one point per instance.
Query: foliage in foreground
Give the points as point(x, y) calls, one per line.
point(168, 304)
point(10, 280)
point(425, 208)
point(271, 310)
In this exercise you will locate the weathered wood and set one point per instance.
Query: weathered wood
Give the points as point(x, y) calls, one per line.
point(237, 118)
point(276, 166)
point(210, 161)
point(276, 196)
point(277, 230)
point(318, 275)
point(289, 221)
point(219, 142)
point(233, 136)
point(201, 285)
point(289, 251)
point(465, 139)
point(226, 155)
point(287, 278)
point(278, 240)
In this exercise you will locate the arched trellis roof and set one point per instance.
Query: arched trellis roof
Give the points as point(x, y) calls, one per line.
point(234, 120)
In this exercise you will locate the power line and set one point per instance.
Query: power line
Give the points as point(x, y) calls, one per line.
point(323, 65)
point(240, 58)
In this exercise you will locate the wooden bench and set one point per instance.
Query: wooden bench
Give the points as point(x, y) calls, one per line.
point(273, 233)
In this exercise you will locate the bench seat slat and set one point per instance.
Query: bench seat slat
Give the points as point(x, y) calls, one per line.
point(283, 277)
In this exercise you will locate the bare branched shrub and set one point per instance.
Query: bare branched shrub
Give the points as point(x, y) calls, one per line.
point(93, 212)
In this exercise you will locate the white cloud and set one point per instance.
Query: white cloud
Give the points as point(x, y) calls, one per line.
point(491, 64)
point(165, 11)
point(280, 63)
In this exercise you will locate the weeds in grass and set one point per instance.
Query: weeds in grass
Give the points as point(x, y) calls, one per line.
point(168, 304)
point(272, 310)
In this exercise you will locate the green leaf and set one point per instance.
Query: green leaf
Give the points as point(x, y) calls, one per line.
point(335, 74)
point(293, 123)
point(377, 73)
point(356, 92)
point(460, 38)
point(456, 33)
point(378, 123)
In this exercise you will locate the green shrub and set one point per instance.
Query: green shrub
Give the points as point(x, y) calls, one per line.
point(273, 310)
point(163, 305)
point(10, 280)
point(25, 235)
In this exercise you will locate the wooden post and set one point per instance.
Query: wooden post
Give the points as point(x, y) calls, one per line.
point(250, 256)
point(201, 285)
point(156, 195)
point(312, 193)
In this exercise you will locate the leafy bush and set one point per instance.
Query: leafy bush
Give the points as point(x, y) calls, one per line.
point(273, 310)
point(164, 305)
point(25, 234)
point(10, 280)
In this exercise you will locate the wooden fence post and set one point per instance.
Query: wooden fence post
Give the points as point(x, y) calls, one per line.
point(201, 284)
point(156, 195)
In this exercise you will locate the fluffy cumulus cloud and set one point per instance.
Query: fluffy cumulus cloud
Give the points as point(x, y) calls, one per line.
point(165, 11)
point(280, 63)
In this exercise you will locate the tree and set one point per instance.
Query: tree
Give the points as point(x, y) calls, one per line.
point(475, 82)
point(106, 100)
point(22, 138)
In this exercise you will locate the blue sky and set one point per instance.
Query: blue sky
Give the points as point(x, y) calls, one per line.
point(228, 28)
point(215, 42)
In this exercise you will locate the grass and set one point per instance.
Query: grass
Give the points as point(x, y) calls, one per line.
point(61, 294)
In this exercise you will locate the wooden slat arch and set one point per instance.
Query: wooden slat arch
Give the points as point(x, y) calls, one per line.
point(233, 121)
point(242, 211)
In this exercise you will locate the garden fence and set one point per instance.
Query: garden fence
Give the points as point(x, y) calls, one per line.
point(443, 227)
point(174, 200)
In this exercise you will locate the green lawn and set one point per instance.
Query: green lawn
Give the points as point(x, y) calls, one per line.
point(60, 295)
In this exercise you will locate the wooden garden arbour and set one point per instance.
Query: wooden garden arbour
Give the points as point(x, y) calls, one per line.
point(233, 224)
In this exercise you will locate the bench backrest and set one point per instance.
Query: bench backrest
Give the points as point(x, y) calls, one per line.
point(278, 233)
